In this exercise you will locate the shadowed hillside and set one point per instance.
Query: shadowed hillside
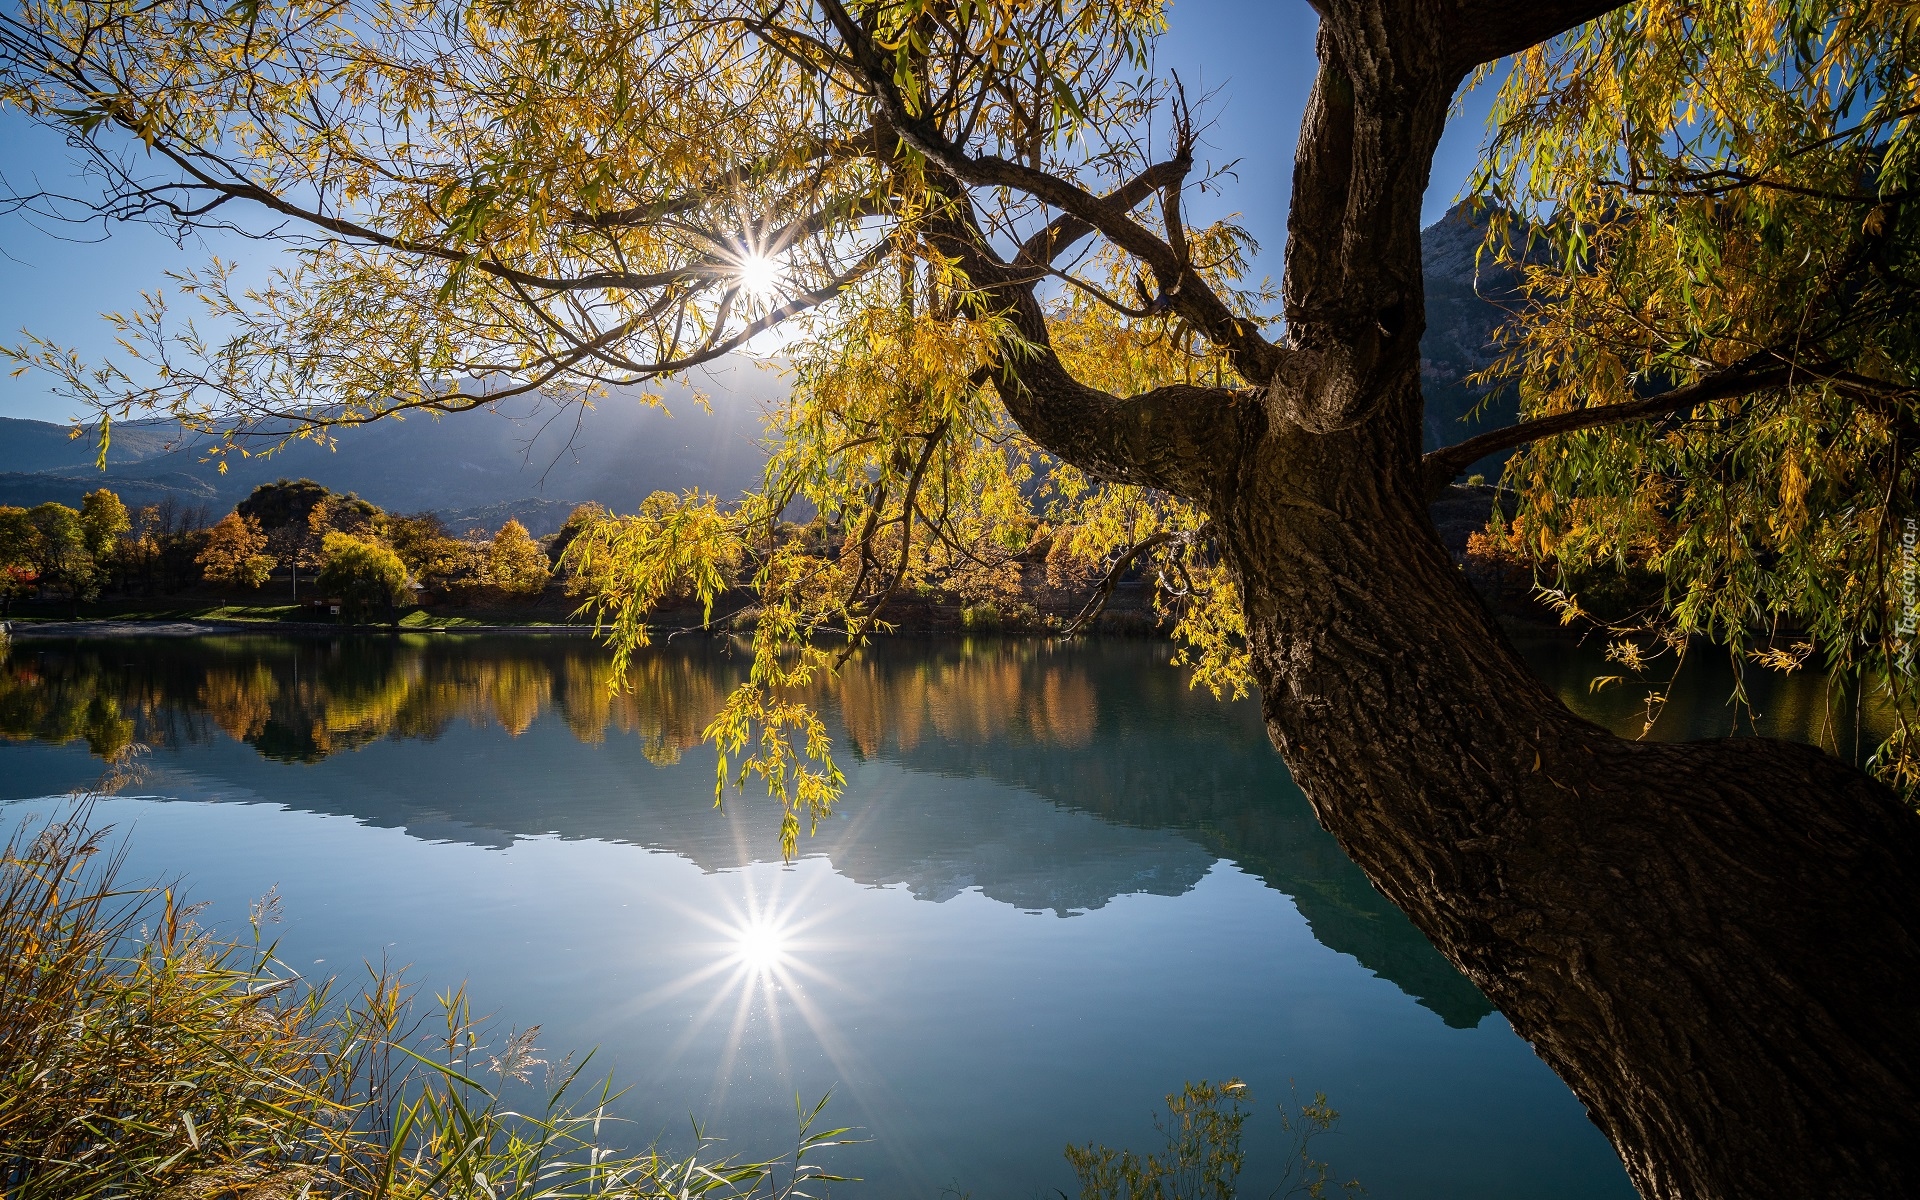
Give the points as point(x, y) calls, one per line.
point(1465, 302)
point(526, 450)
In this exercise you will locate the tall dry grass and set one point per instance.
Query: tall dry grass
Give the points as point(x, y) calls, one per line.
point(144, 1055)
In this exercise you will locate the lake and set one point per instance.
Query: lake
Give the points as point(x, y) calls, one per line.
point(1059, 884)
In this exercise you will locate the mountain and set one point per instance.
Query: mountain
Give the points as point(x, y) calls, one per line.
point(1466, 303)
point(28, 489)
point(540, 517)
point(535, 459)
point(531, 458)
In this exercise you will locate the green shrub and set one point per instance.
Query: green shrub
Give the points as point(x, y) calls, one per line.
point(980, 617)
point(369, 578)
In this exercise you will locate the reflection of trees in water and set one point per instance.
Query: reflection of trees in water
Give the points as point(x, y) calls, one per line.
point(56, 707)
point(307, 699)
point(1107, 730)
point(670, 697)
point(969, 691)
point(1804, 706)
point(239, 698)
point(1157, 756)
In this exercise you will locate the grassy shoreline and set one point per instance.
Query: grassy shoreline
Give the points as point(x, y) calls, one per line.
point(192, 626)
point(183, 616)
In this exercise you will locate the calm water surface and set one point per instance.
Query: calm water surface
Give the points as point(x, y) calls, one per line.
point(1059, 884)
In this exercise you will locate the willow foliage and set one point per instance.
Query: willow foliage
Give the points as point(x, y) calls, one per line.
point(1713, 203)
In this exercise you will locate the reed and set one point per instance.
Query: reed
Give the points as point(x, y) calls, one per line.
point(144, 1055)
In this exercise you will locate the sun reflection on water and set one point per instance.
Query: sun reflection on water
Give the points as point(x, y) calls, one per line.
point(760, 944)
point(756, 980)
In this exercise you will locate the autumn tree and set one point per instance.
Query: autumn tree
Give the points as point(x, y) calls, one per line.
point(439, 561)
point(412, 535)
point(283, 502)
point(61, 560)
point(453, 565)
point(583, 517)
point(369, 579)
point(986, 208)
point(18, 565)
point(165, 542)
point(235, 554)
point(284, 509)
point(103, 522)
point(348, 514)
point(515, 563)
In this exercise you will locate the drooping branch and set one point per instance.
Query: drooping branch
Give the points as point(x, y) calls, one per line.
point(1103, 594)
point(835, 212)
point(873, 143)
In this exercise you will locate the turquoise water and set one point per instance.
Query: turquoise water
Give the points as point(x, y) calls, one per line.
point(1059, 884)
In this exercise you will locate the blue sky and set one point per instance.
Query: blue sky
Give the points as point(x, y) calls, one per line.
point(1255, 55)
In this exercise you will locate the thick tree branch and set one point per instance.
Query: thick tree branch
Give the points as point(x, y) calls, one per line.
point(1353, 292)
point(1183, 439)
point(1253, 356)
point(1066, 230)
point(1485, 30)
point(1440, 466)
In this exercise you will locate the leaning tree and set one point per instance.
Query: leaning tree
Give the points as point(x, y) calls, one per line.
point(973, 219)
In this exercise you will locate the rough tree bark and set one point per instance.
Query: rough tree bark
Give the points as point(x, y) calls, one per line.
point(1716, 945)
point(1712, 943)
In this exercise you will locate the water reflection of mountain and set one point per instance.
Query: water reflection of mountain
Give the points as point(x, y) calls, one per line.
point(1052, 778)
point(1153, 756)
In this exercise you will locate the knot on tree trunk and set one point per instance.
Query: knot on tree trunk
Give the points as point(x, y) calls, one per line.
point(1326, 385)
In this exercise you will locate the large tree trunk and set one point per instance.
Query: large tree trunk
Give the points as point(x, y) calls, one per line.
point(1716, 945)
point(1713, 943)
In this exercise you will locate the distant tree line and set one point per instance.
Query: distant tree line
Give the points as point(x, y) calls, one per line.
point(323, 545)
point(369, 561)
point(52, 550)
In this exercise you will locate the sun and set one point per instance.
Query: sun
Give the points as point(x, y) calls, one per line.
point(759, 276)
point(760, 945)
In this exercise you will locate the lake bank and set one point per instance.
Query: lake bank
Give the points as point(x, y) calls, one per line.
point(111, 627)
